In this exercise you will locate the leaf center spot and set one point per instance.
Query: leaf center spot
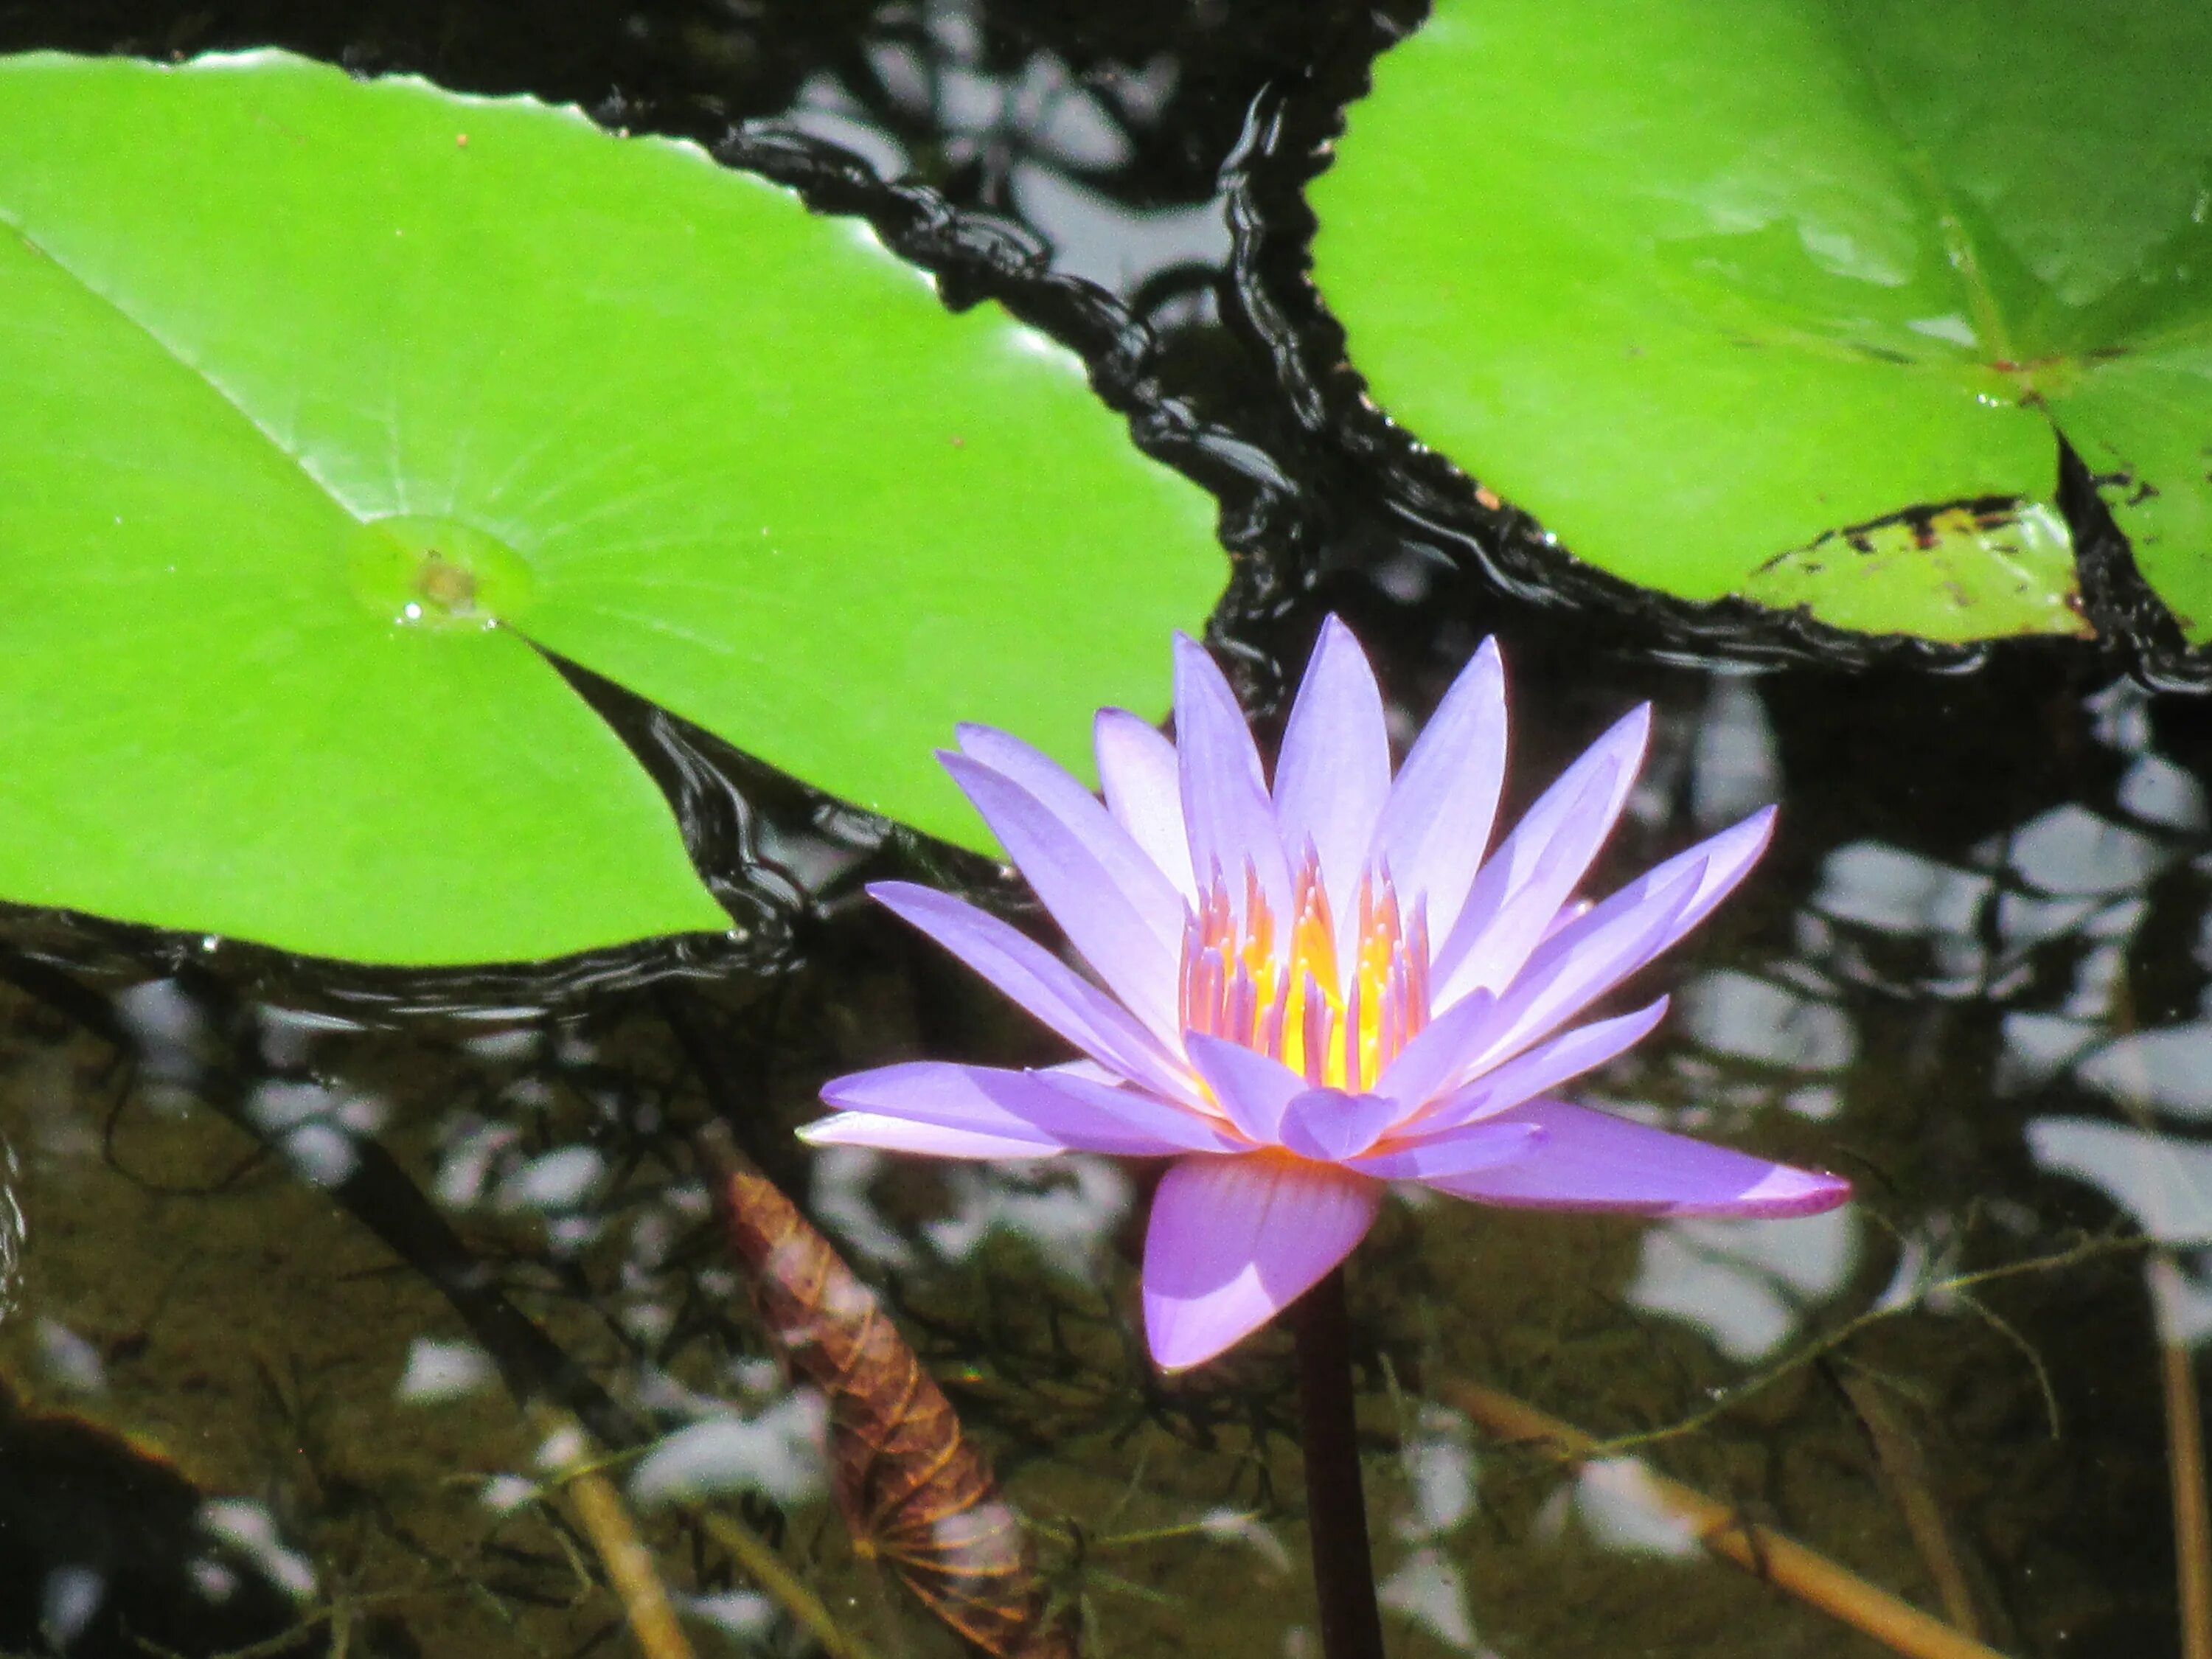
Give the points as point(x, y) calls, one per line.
point(414, 570)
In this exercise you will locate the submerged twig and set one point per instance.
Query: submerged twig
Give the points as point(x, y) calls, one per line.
point(754, 1553)
point(285, 1644)
point(606, 1521)
point(384, 1200)
point(1783, 1561)
point(1906, 1471)
point(2184, 1421)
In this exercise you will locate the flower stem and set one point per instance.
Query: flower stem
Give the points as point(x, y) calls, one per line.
point(1336, 1508)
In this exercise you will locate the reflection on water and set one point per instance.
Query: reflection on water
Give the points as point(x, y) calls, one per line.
point(1620, 1507)
point(1746, 1286)
point(281, 1249)
point(1025, 136)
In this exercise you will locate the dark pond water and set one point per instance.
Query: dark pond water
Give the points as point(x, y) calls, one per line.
point(273, 1233)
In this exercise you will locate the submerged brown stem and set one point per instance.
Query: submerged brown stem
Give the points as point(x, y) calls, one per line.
point(2185, 1460)
point(1783, 1561)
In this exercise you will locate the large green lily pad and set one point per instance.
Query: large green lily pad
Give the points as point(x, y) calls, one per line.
point(320, 401)
point(1783, 297)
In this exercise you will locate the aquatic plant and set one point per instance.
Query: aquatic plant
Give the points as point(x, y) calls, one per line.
point(1799, 303)
point(1309, 991)
point(1313, 991)
point(319, 457)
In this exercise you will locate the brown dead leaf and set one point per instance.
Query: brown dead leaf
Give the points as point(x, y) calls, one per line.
point(915, 1493)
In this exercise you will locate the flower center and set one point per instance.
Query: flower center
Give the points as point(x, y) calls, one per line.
point(1282, 988)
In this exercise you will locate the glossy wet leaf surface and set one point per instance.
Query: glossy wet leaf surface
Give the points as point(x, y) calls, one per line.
point(1716, 294)
point(328, 401)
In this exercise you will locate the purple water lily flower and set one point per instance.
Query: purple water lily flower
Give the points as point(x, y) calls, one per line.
point(1313, 991)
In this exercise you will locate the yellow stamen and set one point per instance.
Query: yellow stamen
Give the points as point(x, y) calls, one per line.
point(1280, 991)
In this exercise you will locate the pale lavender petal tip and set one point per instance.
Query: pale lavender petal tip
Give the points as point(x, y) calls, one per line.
point(1080, 812)
point(1143, 784)
point(1542, 1069)
point(1053, 1110)
point(895, 1134)
point(1036, 981)
point(1789, 1191)
point(1334, 775)
point(1521, 887)
point(1431, 833)
point(1591, 1160)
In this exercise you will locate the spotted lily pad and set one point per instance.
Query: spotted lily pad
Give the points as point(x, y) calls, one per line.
point(323, 403)
point(1783, 299)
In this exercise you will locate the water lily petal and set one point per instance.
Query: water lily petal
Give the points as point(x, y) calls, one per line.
point(1233, 1241)
point(1225, 808)
point(1612, 942)
point(1463, 1151)
point(1438, 1057)
point(1105, 925)
point(1433, 831)
point(1143, 783)
point(1330, 1125)
point(1542, 1069)
point(1591, 1160)
point(1569, 913)
point(1040, 982)
point(1045, 1109)
point(1521, 886)
point(898, 1135)
point(1333, 773)
point(1589, 956)
point(1089, 1070)
point(1192, 1129)
point(1726, 857)
point(1251, 1087)
point(941, 1095)
point(1518, 919)
point(1084, 817)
